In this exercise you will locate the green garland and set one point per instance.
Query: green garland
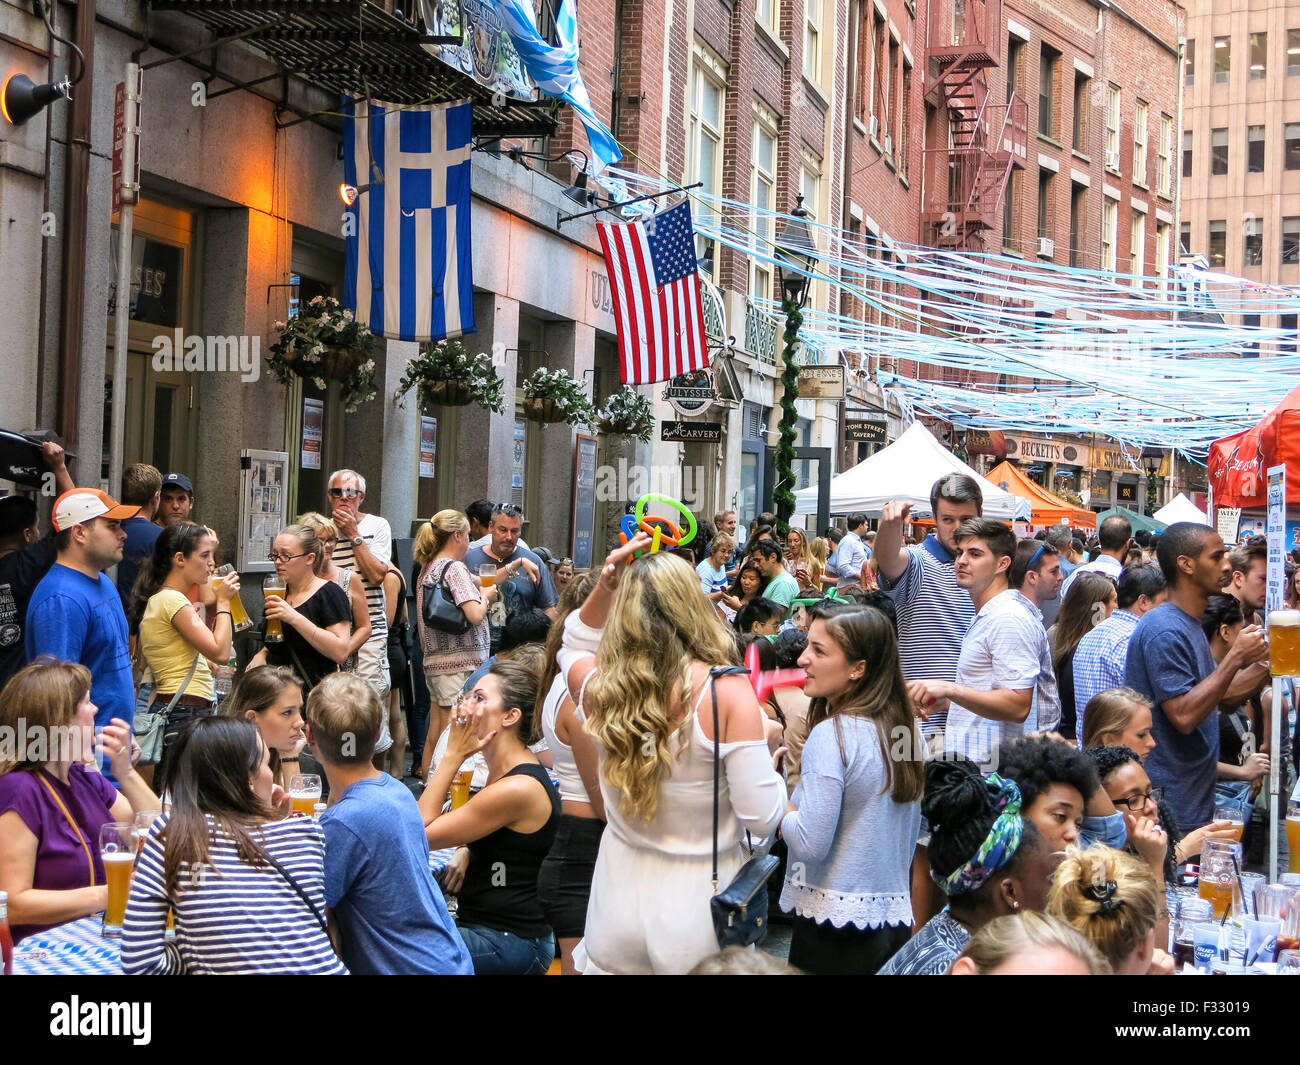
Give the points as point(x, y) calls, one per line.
point(783, 495)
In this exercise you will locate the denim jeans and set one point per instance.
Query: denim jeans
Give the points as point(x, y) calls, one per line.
point(502, 954)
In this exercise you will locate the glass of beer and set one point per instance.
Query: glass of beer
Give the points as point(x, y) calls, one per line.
point(1231, 814)
point(487, 574)
point(1284, 643)
point(273, 586)
point(304, 793)
point(460, 789)
point(117, 849)
point(237, 612)
point(1293, 835)
point(142, 822)
point(1218, 876)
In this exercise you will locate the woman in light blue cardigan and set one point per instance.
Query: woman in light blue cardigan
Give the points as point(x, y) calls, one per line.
point(857, 809)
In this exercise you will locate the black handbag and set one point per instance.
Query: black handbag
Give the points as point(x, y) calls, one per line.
point(740, 909)
point(439, 608)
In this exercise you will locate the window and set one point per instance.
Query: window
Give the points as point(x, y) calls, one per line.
point(1252, 231)
point(1140, 144)
point(1185, 238)
point(1081, 108)
point(1222, 59)
point(1187, 153)
point(812, 35)
point(1290, 241)
point(1288, 323)
point(1164, 158)
point(893, 74)
point(1293, 145)
point(905, 121)
point(1189, 63)
point(1109, 225)
point(810, 187)
point(1255, 150)
point(1218, 151)
point(1258, 56)
point(880, 107)
point(1137, 247)
point(862, 83)
point(1044, 203)
point(1112, 128)
point(1076, 221)
point(1251, 349)
point(768, 13)
point(704, 143)
point(1009, 211)
point(1218, 242)
point(1293, 53)
point(764, 200)
point(1047, 64)
point(1162, 254)
point(1015, 50)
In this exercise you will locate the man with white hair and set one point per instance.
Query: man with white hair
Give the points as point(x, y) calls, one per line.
point(366, 546)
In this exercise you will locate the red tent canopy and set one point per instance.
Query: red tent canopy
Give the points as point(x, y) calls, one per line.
point(1237, 464)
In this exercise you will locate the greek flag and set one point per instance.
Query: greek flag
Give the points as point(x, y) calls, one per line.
point(556, 69)
point(409, 273)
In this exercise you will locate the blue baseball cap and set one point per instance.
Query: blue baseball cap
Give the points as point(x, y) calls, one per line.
point(178, 480)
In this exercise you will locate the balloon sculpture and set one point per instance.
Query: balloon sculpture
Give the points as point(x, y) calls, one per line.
point(766, 683)
point(662, 531)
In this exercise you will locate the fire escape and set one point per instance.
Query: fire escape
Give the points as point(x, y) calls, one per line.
point(967, 179)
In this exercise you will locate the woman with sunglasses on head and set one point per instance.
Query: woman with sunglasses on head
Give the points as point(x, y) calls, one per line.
point(347, 579)
point(563, 574)
point(315, 614)
point(799, 561)
point(1119, 717)
point(174, 640)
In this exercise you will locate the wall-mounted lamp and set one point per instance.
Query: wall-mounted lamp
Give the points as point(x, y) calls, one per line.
point(349, 193)
point(21, 98)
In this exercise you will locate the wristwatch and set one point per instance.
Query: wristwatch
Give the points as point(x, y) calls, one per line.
point(357, 541)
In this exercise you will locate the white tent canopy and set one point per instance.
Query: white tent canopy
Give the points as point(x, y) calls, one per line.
point(907, 470)
point(1180, 508)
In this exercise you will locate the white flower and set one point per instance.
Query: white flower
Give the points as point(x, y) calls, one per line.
point(319, 382)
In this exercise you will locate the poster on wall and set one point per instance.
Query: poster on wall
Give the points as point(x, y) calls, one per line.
point(428, 446)
point(262, 500)
point(313, 432)
point(584, 501)
point(486, 52)
point(1277, 546)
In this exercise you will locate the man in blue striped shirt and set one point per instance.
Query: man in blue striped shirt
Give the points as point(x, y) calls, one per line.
point(1102, 654)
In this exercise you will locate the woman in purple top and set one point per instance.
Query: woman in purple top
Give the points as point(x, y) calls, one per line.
point(52, 804)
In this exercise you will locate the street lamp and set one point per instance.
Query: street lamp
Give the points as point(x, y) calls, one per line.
point(1152, 459)
point(796, 257)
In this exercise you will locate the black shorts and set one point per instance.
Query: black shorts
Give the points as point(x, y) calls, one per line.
point(564, 881)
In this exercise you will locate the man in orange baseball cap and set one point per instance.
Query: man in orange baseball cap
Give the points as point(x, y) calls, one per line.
point(75, 613)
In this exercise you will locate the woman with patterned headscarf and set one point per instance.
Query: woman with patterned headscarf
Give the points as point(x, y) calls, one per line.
point(988, 860)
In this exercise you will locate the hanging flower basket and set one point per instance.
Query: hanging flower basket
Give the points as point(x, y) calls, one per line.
point(627, 413)
point(324, 343)
point(552, 396)
point(445, 374)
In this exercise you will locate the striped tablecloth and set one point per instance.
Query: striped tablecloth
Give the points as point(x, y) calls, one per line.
point(438, 859)
point(72, 949)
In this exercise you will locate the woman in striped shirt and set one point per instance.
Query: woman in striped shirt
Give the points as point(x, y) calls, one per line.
point(246, 888)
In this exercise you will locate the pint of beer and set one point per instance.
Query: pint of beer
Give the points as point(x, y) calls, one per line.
point(1284, 643)
point(1293, 834)
point(273, 587)
point(117, 849)
point(304, 793)
point(238, 614)
point(487, 574)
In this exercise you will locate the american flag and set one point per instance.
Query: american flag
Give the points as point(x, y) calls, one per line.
point(656, 291)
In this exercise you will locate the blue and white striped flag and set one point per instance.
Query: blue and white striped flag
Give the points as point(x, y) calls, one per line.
point(409, 272)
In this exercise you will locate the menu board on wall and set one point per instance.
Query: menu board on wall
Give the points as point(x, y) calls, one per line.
point(313, 432)
point(584, 501)
point(263, 504)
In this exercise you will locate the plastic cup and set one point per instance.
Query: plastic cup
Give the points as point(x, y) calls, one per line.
point(304, 793)
point(1205, 937)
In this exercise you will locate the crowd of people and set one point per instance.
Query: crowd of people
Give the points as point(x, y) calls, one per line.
point(970, 753)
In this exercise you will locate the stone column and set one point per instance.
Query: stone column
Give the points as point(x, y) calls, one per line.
point(572, 347)
point(484, 441)
point(401, 430)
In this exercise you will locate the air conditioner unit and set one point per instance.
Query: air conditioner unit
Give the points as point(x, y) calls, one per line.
point(1046, 248)
point(873, 126)
point(1112, 160)
point(889, 144)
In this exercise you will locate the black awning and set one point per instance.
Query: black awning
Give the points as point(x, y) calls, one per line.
point(357, 48)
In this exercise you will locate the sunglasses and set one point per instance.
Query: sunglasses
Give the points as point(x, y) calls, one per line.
point(344, 493)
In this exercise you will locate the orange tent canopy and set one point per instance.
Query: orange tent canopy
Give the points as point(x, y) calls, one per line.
point(1048, 509)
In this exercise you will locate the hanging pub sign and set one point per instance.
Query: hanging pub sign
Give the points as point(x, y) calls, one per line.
point(486, 52)
point(986, 442)
point(821, 382)
point(866, 431)
point(691, 394)
point(1126, 493)
point(690, 432)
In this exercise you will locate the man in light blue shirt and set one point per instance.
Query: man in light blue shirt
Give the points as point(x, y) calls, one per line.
point(852, 554)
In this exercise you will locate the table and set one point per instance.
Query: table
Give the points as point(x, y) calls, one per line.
point(73, 949)
point(438, 859)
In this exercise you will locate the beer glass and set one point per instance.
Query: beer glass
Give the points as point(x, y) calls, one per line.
point(273, 586)
point(1228, 812)
point(1288, 962)
point(238, 615)
point(1218, 876)
point(142, 822)
point(487, 574)
point(460, 789)
point(1284, 643)
point(117, 849)
point(304, 793)
point(1293, 835)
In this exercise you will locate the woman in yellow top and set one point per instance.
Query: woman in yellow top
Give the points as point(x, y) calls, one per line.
point(174, 639)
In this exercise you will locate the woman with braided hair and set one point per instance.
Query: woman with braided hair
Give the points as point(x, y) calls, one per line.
point(1112, 899)
point(987, 858)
